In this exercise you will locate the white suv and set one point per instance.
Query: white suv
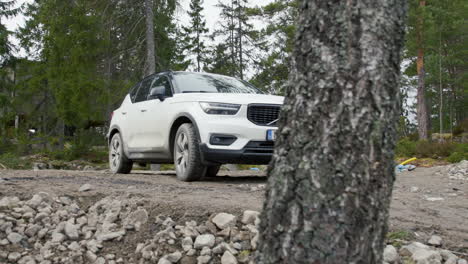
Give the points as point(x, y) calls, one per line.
point(196, 120)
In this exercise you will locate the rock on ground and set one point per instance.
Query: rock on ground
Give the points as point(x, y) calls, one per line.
point(207, 240)
point(224, 220)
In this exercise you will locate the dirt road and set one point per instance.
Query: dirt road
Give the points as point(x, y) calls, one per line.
point(425, 201)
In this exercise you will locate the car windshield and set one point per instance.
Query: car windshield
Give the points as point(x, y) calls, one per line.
point(212, 83)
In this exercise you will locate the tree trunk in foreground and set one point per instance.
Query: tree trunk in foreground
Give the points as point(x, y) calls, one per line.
point(150, 46)
point(331, 178)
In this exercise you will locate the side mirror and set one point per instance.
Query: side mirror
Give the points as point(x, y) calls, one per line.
point(158, 92)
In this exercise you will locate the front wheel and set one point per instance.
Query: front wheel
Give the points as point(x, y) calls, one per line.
point(118, 161)
point(187, 157)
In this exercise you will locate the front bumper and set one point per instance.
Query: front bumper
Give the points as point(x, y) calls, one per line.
point(255, 152)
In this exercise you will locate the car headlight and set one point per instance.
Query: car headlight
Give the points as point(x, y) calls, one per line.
point(220, 108)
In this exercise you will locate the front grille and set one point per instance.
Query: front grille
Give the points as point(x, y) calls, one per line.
point(263, 115)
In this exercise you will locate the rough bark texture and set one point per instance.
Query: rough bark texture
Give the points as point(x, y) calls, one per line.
point(332, 174)
point(150, 46)
point(422, 115)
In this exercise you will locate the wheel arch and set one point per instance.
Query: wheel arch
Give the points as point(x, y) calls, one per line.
point(182, 118)
point(114, 130)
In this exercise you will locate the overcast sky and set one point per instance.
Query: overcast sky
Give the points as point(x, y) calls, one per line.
point(211, 14)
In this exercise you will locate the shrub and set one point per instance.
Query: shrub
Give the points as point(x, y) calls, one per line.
point(405, 148)
point(431, 149)
point(456, 157)
point(13, 161)
point(427, 149)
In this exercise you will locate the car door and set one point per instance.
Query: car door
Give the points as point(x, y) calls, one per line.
point(156, 116)
point(136, 113)
point(122, 115)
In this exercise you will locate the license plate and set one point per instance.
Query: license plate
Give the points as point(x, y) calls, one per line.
point(271, 135)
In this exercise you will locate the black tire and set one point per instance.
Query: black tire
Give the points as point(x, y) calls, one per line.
point(118, 161)
point(187, 157)
point(212, 171)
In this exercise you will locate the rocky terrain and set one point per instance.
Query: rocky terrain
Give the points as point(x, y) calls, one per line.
point(94, 217)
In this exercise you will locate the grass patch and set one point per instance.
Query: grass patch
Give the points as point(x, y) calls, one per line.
point(400, 234)
point(397, 237)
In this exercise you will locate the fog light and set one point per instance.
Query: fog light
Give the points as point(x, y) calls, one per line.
point(222, 140)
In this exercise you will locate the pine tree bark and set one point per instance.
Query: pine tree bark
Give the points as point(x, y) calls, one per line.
point(422, 113)
point(150, 45)
point(331, 178)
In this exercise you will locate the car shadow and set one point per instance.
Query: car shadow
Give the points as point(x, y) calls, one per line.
point(241, 177)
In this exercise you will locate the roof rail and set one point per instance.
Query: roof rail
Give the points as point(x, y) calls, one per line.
point(156, 73)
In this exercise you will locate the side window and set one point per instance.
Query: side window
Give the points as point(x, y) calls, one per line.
point(144, 90)
point(163, 81)
point(134, 91)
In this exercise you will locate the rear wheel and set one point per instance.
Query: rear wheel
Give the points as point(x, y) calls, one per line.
point(118, 162)
point(212, 171)
point(187, 158)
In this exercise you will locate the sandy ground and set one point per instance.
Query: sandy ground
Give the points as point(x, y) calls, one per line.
point(425, 202)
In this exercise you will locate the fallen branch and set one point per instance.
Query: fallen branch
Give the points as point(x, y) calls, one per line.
point(3, 166)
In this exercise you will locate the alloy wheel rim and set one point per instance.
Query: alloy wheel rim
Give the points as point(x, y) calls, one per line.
point(115, 154)
point(182, 153)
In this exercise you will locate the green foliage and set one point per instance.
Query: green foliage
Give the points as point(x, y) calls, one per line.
point(452, 151)
point(13, 161)
point(82, 146)
point(275, 65)
point(405, 148)
point(428, 149)
point(456, 157)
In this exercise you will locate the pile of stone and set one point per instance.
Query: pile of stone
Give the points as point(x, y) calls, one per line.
point(62, 166)
point(419, 253)
point(221, 239)
point(458, 171)
point(47, 230)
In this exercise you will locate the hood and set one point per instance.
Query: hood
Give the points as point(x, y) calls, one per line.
point(231, 98)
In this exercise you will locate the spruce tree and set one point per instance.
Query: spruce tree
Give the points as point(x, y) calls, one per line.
point(7, 62)
point(278, 34)
point(236, 30)
point(194, 34)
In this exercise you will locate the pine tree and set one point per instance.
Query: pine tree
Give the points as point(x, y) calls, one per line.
point(194, 34)
point(437, 29)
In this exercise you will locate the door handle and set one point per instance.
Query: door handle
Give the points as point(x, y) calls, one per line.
point(143, 110)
